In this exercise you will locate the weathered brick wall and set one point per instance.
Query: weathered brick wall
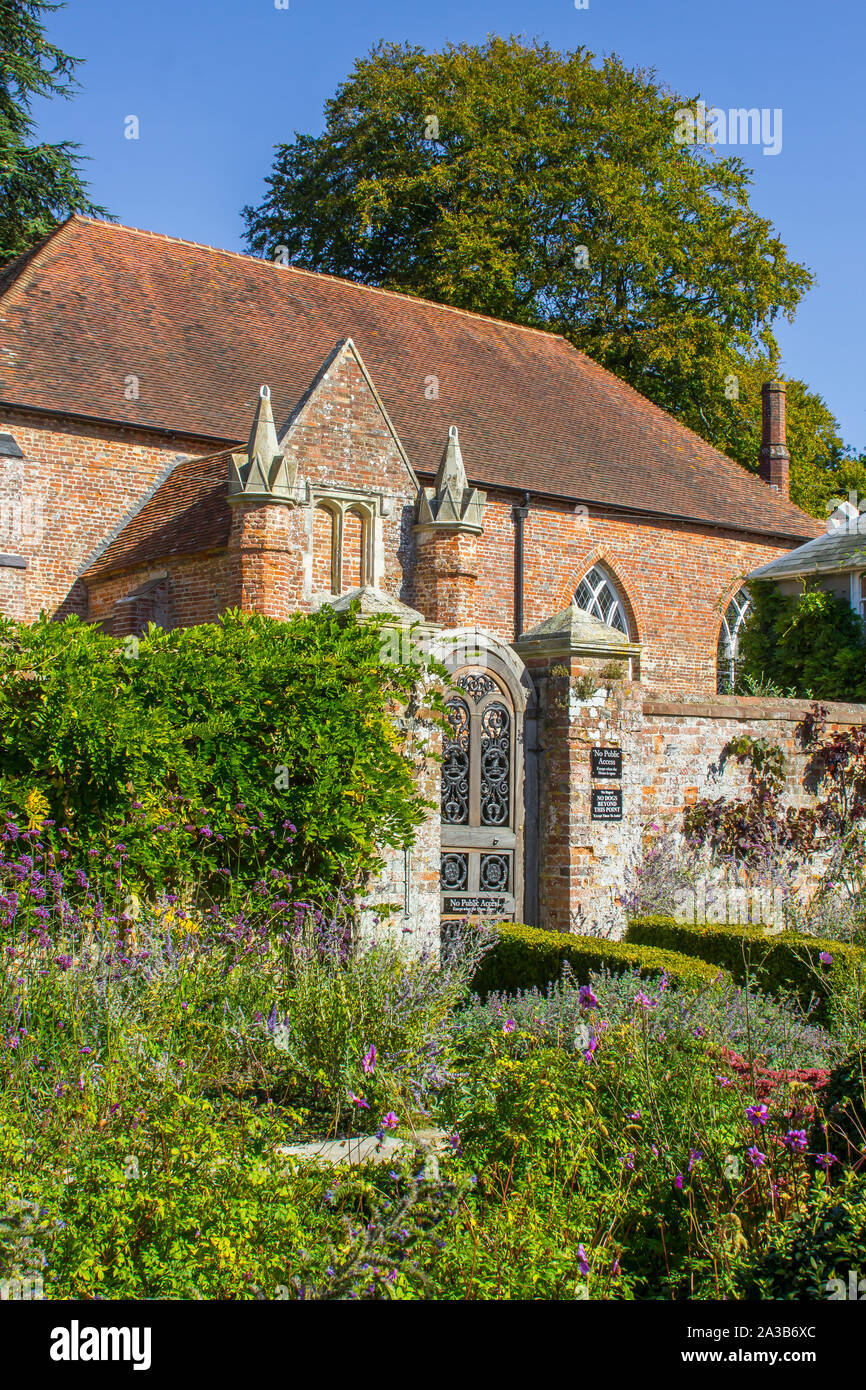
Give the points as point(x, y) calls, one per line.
point(199, 588)
point(446, 577)
point(341, 442)
point(269, 543)
point(78, 481)
point(410, 881)
point(676, 580)
point(74, 485)
point(12, 591)
point(672, 750)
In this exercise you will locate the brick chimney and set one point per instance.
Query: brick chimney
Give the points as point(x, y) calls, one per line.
point(775, 461)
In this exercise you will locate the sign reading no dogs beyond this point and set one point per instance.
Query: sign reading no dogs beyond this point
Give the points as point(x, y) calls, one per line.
point(606, 803)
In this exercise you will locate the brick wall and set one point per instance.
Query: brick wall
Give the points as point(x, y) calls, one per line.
point(676, 580)
point(74, 485)
point(671, 758)
point(198, 588)
point(77, 482)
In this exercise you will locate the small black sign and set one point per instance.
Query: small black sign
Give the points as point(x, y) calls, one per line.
point(484, 902)
point(606, 803)
point(605, 764)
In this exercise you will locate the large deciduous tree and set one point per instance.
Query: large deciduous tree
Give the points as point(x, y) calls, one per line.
point(549, 189)
point(40, 184)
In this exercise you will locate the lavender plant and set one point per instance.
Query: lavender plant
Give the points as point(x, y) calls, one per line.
point(727, 1016)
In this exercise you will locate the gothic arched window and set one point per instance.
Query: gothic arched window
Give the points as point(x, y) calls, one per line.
point(597, 596)
point(728, 655)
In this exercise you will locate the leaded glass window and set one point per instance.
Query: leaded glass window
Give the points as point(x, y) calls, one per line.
point(597, 596)
point(728, 655)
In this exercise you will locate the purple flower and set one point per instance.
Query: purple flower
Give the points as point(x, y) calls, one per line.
point(795, 1141)
point(509, 1025)
point(757, 1114)
point(755, 1157)
point(593, 1044)
point(644, 1001)
point(389, 1121)
point(825, 958)
point(586, 998)
point(369, 1060)
point(632, 1114)
point(582, 1261)
point(826, 1161)
point(678, 1182)
point(695, 1156)
point(358, 1100)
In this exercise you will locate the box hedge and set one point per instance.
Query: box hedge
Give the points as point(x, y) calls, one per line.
point(774, 961)
point(525, 957)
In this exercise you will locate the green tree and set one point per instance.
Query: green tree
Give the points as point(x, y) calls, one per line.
point(40, 184)
point(550, 190)
point(811, 643)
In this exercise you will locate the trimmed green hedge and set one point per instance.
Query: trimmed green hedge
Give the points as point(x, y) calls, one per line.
point(529, 956)
point(774, 962)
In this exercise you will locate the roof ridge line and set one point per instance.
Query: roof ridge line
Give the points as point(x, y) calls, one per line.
point(323, 275)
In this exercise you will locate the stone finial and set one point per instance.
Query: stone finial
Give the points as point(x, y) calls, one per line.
point(262, 474)
point(451, 503)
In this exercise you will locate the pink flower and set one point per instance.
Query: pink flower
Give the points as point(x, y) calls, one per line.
point(358, 1100)
point(389, 1121)
point(369, 1060)
point(509, 1025)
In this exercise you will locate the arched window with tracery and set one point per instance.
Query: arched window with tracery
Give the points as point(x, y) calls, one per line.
point(728, 658)
point(481, 856)
point(597, 595)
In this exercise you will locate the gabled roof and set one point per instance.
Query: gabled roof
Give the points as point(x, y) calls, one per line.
point(202, 328)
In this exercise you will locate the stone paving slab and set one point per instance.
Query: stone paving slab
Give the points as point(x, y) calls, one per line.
point(369, 1149)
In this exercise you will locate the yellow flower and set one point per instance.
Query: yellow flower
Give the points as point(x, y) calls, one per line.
point(37, 809)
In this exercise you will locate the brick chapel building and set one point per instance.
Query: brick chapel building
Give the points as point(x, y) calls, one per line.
point(533, 510)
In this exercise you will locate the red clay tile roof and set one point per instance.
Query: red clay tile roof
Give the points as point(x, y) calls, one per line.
point(187, 514)
point(203, 328)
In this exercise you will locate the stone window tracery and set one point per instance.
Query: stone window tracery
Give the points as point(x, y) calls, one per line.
point(342, 544)
point(597, 595)
point(728, 655)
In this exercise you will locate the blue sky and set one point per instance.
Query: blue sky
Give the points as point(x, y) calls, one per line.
point(217, 83)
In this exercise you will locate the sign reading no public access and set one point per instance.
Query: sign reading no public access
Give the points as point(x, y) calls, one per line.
point(484, 902)
point(606, 803)
point(605, 764)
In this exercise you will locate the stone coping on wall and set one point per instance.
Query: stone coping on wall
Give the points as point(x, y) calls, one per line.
point(746, 707)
